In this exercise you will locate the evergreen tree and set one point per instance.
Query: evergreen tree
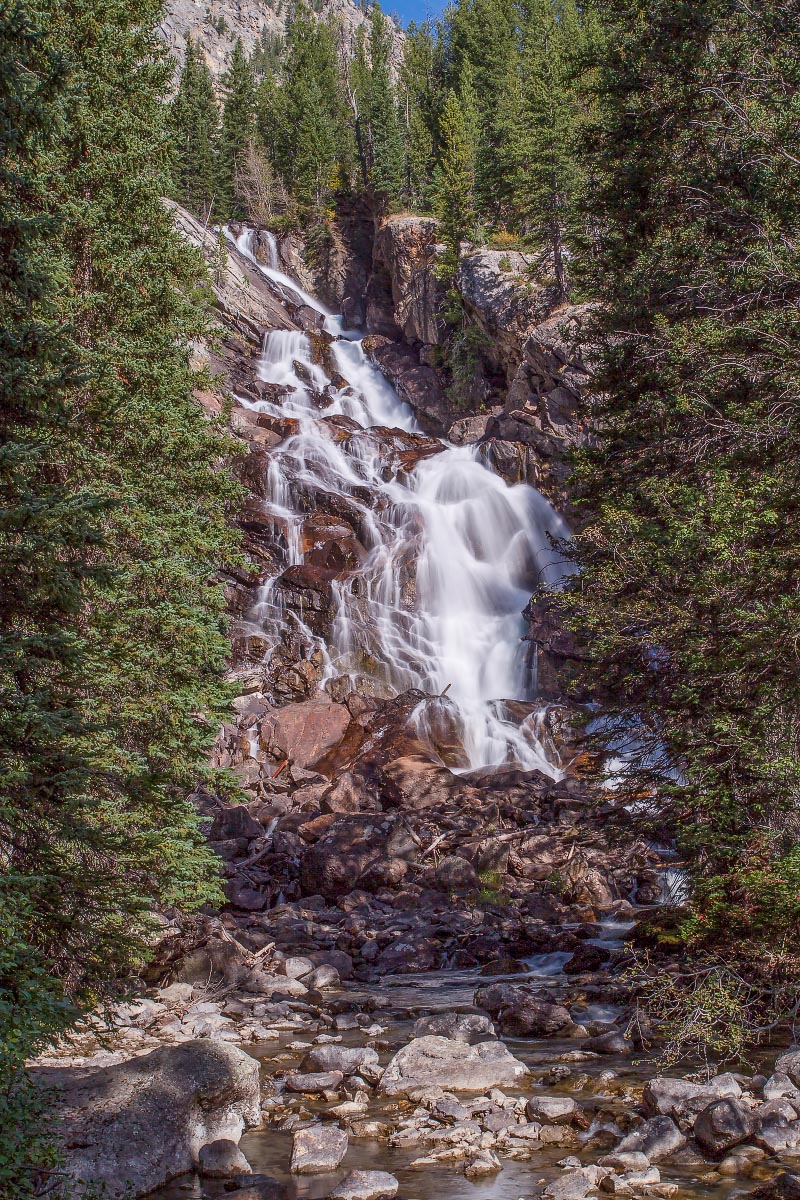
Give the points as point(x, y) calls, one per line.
point(387, 174)
point(420, 104)
point(540, 117)
point(455, 177)
point(690, 553)
point(194, 121)
point(48, 537)
point(484, 34)
point(301, 118)
point(238, 128)
point(112, 528)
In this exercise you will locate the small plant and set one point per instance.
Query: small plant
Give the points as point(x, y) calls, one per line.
point(503, 240)
point(505, 263)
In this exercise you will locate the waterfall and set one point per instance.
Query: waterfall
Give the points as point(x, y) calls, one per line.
point(448, 552)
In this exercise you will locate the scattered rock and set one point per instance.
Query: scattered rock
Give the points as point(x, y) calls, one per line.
point(317, 1149)
point(438, 1060)
point(222, 1160)
point(365, 1185)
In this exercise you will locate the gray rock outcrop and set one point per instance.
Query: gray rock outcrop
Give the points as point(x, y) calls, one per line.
point(127, 1129)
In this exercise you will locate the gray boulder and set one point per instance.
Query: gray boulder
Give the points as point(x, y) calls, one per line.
point(128, 1129)
point(366, 1185)
point(313, 1082)
point(439, 1061)
point(459, 1027)
point(724, 1123)
point(551, 1109)
point(657, 1138)
point(347, 1059)
point(664, 1095)
point(789, 1064)
point(222, 1160)
point(317, 1149)
point(533, 1017)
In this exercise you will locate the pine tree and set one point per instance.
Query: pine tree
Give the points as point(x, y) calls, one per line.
point(301, 117)
point(113, 527)
point(48, 547)
point(194, 123)
point(483, 33)
point(387, 172)
point(455, 176)
point(690, 553)
point(420, 104)
point(238, 128)
point(540, 118)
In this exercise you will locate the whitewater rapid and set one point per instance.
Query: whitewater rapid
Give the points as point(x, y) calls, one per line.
point(451, 553)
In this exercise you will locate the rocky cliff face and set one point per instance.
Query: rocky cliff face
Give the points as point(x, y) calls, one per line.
point(216, 25)
point(382, 275)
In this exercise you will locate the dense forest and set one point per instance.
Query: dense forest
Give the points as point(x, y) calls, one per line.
point(646, 154)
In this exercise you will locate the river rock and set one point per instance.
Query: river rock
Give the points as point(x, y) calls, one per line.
point(440, 1061)
point(128, 1129)
point(366, 1185)
point(313, 1082)
point(657, 1138)
point(345, 1059)
point(317, 1149)
point(222, 1160)
point(533, 1017)
point(789, 1064)
point(783, 1187)
point(459, 1027)
point(664, 1095)
point(724, 1123)
point(550, 1109)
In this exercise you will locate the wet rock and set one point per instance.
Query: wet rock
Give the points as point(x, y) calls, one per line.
point(222, 1160)
point(314, 1082)
point(783, 1187)
point(459, 1027)
point(723, 1124)
point(550, 1109)
point(611, 1042)
point(345, 1059)
point(127, 1129)
point(317, 1149)
point(448, 1064)
point(533, 1017)
point(574, 1184)
point(664, 1095)
point(365, 1185)
point(658, 1138)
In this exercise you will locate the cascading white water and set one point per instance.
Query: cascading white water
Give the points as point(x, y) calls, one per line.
point(449, 552)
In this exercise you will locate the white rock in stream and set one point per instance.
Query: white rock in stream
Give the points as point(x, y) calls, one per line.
point(438, 1060)
point(317, 1149)
point(366, 1185)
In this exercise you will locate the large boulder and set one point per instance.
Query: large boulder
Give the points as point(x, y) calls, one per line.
point(657, 1138)
point(459, 1027)
point(723, 1124)
point(533, 1016)
point(439, 1061)
point(127, 1129)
